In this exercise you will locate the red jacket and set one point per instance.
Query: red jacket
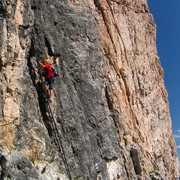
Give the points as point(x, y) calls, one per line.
point(47, 71)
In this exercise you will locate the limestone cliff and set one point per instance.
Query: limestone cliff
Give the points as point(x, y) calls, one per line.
point(110, 110)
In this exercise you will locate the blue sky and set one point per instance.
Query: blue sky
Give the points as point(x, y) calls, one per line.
point(167, 18)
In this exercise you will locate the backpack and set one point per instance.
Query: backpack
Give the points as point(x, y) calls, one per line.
point(54, 72)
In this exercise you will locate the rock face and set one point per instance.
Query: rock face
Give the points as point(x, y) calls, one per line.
point(110, 111)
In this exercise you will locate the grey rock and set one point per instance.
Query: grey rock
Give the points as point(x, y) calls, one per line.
point(16, 166)
point(136, 159)
point(97, 105)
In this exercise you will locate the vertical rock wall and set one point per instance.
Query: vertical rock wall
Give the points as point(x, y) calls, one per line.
point(110, 102)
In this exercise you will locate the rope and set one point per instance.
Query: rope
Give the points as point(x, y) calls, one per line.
point(58, 140)
point(13, 122)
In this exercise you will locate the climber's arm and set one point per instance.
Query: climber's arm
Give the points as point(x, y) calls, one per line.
point(41, 64)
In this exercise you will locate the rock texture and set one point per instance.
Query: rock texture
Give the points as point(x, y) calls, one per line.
point(110, 102)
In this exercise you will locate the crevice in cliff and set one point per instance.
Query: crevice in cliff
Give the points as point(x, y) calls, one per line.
point(39, 89)
point(126, 164)
point(37, 82)
point(49, 48)
point(126, 86)
point(115, 115)
point(100, 8)
point(107, 20)
point(3, 14)
point(128, 95)
point(136, 159)
point(112, 110)
point(1, 64)
point(45, 109)
point(3, 11)
point(109, 102)
point(48, 45)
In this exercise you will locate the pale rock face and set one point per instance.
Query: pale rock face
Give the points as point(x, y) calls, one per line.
point(110, 102)
point(136, 78)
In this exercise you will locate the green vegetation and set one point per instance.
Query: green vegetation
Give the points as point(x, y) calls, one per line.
point(125, 141)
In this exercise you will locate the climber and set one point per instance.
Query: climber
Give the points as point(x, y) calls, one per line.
point(48, 74)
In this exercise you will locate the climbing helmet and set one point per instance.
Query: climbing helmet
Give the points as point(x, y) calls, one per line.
point(47, 61)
